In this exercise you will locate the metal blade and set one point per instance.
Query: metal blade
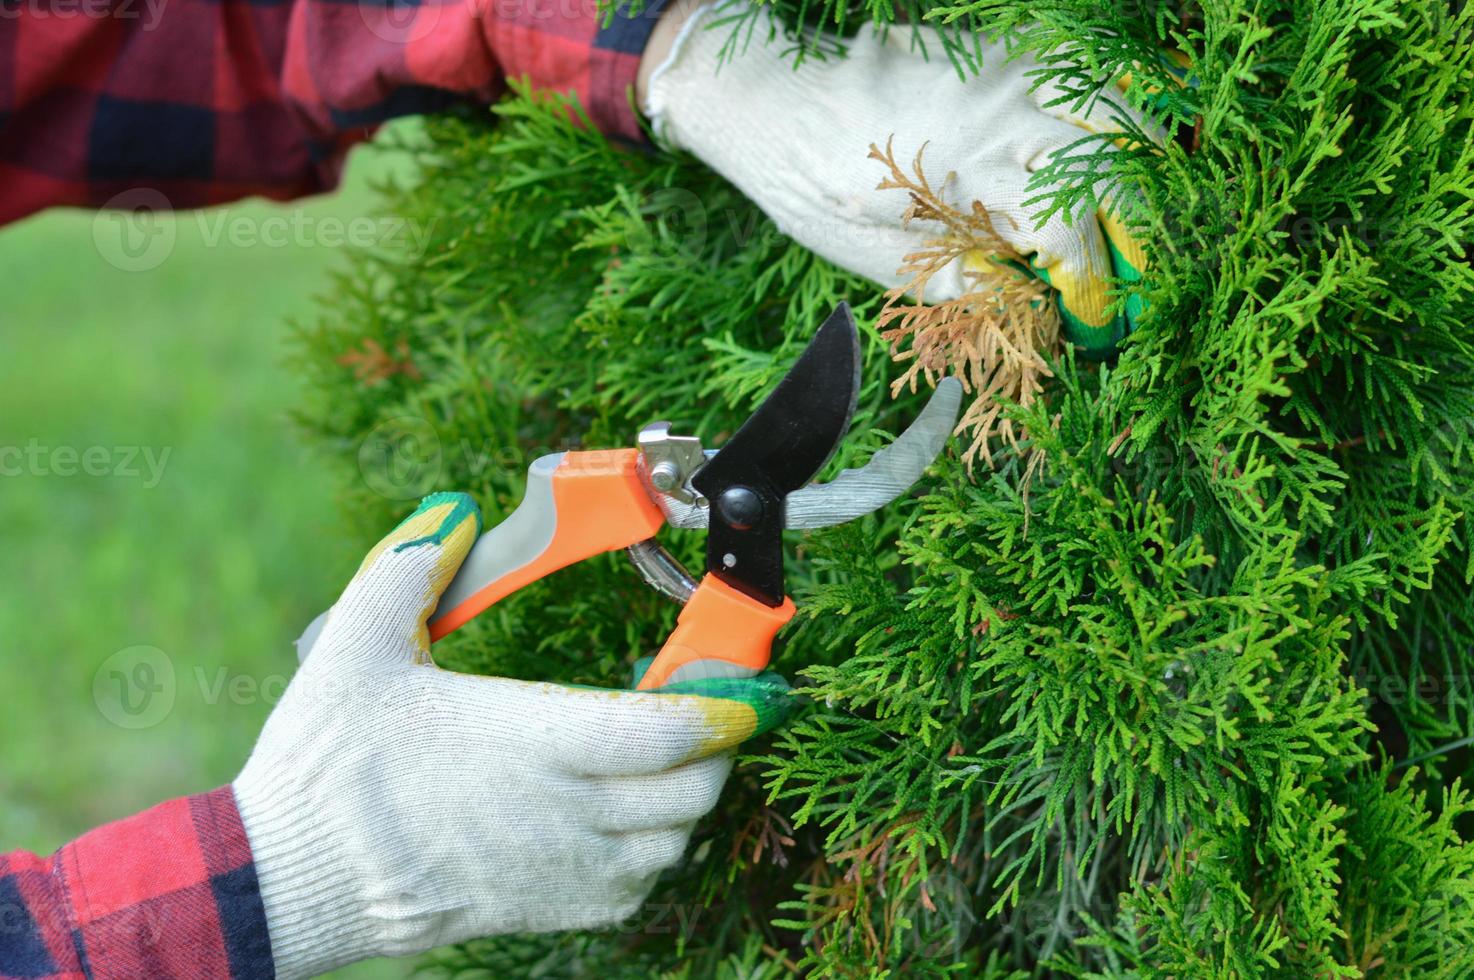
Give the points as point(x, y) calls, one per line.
point(855, 492)
point(887, 474)
point(775, 452)
point(801, 423)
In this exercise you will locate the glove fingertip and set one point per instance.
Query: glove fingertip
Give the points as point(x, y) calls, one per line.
point(441, 518)
point(1096, 335)
point(1094, 342)
point(1128, 258)
point(740, 708)
point(1128, 264)
point(772, 700)
point(447, 522)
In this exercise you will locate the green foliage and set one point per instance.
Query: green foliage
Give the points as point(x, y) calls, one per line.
point(1138, 712)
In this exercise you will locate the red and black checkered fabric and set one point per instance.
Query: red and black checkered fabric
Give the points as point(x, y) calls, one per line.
point(208, 101)
point(171, 892)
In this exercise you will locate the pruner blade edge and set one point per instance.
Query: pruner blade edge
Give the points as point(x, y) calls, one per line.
point(854, 492)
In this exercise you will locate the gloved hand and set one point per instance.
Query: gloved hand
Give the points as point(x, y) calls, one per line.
point(392, 806)
point(796, 141)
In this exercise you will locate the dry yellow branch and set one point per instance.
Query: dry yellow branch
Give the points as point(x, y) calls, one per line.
point(995, 337)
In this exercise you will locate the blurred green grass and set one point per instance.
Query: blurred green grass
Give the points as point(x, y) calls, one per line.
point(218, 565)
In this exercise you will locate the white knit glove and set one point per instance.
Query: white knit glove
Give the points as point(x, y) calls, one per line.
point(796, 141)
point(392, 806)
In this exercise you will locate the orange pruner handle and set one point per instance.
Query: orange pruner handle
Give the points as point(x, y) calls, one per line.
point(577, 505)
point(720, 633)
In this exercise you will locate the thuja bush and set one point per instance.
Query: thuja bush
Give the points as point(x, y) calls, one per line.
point(1177, 685)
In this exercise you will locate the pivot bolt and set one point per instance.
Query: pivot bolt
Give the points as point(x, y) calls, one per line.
point(739, 508)
point(665, 476)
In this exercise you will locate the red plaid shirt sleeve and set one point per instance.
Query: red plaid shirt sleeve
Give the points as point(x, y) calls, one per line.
point(206, 101)
point(170, 892)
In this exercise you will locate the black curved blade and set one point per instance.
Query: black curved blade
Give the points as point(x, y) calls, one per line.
point(777, 450)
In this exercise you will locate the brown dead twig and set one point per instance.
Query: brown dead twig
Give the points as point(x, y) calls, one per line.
point(994, 337)
point(374, 365)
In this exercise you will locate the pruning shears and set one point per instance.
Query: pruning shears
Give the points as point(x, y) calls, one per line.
point(745, 494)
